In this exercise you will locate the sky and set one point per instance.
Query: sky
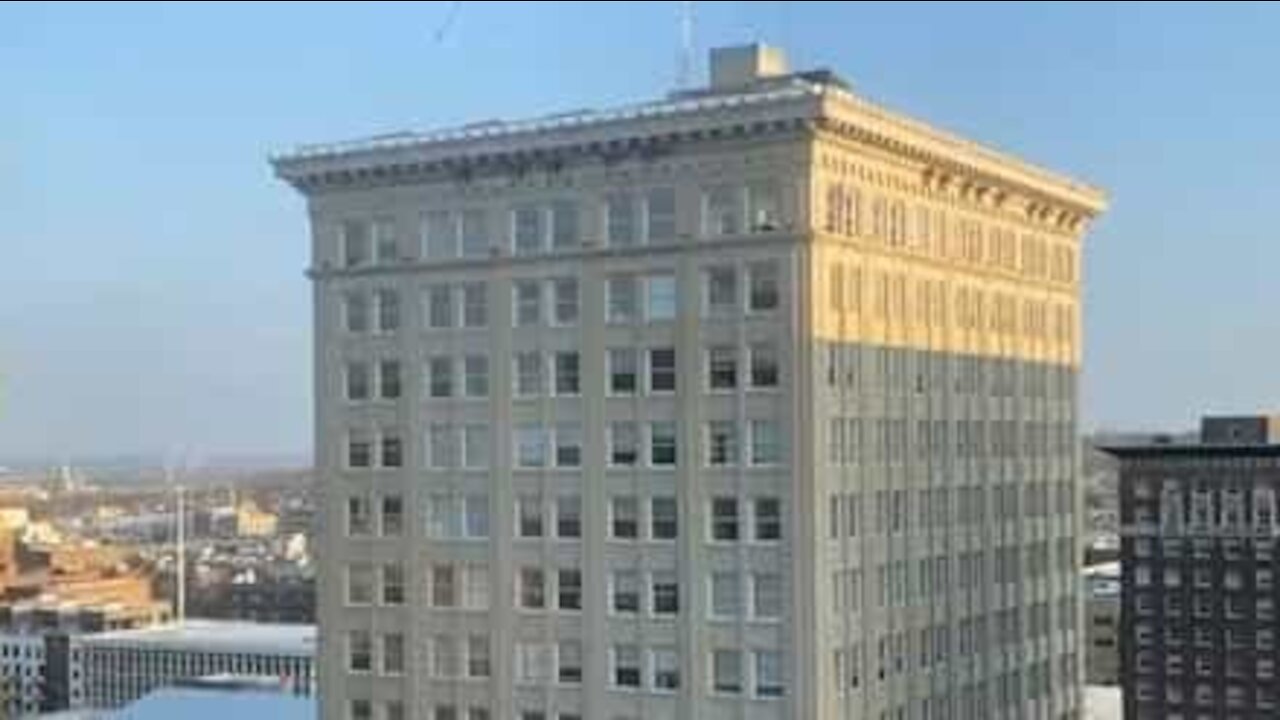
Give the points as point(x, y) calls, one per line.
point(152, 294)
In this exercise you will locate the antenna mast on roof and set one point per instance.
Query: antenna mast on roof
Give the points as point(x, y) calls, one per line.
point(684, 80)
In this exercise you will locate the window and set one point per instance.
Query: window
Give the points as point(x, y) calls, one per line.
point(570, 589)
point(440, 377)
point(393, 710)
point(722, 367)
point(475, 380)
point(721, 291)
point(393, 585)
point(359, 449)
point(623, 371)
point(724, 519)
point(660, 219)
point(446, 661)
point(531, 589)
point(357, 381)
point(389, 379)
point(388, 302)
point(620, 220)
point(766, 596)
point(475, 516)
point(666, 669)
point(441, 446)
point(528, 302)
point(569, 661)
point(764, 366)
point(626, 591)
point(768, 674)
point(626, 666)
point(440, 235)
point(475, 305)
point(624, 444)
point(566, 373)
point(766, 446)
point(662, 444)
point(356, 250)
point(528, 374)
point(392, 516)
point(392, 449)
point(355, 312)
point(440, 516)
point(475, 234)
point(722, 443)
point(528, 516)
point(534, 662)
point(385, 246)
point(624, 513)
point(726, 671)
point(568, 445)
point(662, 370)
point(664, 521)
point(475, 587)
point(526, 231)
point(623, 298)
point(763, 294)
point(360, 520)
point(359, 651)
point(439, 307)
point(565, 291)
point(765, 212)
point(569, 516)
point(393, 654)
point(360, 584)
point(666, 593)
point(531, 446)
point(661, 297)
point(564, 224)
point(478, 659)
point(724, 210)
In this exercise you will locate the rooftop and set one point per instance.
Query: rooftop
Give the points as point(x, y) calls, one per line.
point(216, 635)
point(212, 704)
point(1222, 435)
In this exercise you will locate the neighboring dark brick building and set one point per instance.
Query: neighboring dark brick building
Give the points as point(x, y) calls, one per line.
point(1199, 557)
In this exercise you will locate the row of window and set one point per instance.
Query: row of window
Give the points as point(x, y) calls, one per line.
point(853, 440)
point(1210, 606)
point(533, 373)
point(896, 370)
point(933, 506)
point(1206, 694)
point(1229, 578)
point(627, 218)
point(629, 298)
point(1206, 637)
point(1199, 507)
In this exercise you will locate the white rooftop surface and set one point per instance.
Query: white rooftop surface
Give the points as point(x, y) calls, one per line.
point(1103, 702)
point(194, 704)
point(216, 636)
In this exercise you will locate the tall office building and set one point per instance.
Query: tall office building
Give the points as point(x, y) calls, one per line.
point(757, 401)
point(1198, 558)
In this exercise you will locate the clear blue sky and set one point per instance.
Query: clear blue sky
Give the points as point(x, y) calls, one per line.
point(151, 287)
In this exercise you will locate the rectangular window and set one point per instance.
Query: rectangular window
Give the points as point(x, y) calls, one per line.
point(766, 596)
point(356, 250)
point(726, 671)
point(722, 367)
point(764, 365)
point(569, 589)
point(666, 669)
point(389, 380)
point(624, 444)
point(388, 302)
point(569, 659)
point(531, 446)
point(392, 516)
point(392, 449)
point(526, 231)
point(528, 516)
point(475, 588)
point(566, 367)
point(623, 371)
point(724, 211)
point(564, 224)
point(721, 291)
point(569, 516)
point(726, 595)
point(765, 201)
point(475, 234)
point(660, 214)
point(440, 377)
point(565, 291)
point(568, 445)
point(440, 235)
point(393, 654)
point(532, 588)
point(763, 292)
point(662, 444)
point(722, 443)
point(626, 591)
point(662, 370)
point(665, 594)
point(441, 446)
point(664, 519)
point(357, 381)
point(439, 307)
point(360, 584)
point(768, 674)
point(475, 305)
point(355, 312)
point(361, 709)
point(359, 449)
point(660, 297)
point(393, 585)
point(528, 302)
point(768, 519)
point(528, 374)
point(359, 651)
point(386, 248)
point(623, 298)
point(624, 514)
point(626, 666)
point(620, 220)
point(446, 660)
point(444, 587)
point(478, 662)
point(724, 519)
point(475, 381)
point(766, 443)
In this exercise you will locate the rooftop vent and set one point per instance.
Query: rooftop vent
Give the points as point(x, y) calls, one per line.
point(740, 66)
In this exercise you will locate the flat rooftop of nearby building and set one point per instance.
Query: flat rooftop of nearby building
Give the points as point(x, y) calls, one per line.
point(202, 704)
point(217, 636)
point(1219, 436)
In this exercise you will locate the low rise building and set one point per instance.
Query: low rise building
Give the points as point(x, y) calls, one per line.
point(22, 665)
point(1102, 624)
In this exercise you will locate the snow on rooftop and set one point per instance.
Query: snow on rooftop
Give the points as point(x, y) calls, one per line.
point(216, 635)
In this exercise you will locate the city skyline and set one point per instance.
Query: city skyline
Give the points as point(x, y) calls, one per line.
point(92, 362)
